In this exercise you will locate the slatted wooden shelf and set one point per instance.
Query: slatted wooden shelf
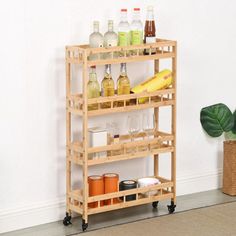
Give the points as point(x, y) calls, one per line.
point(163, 192)
point(121, 103)
point(158, 142)
point(163, 49)
point(79, 152)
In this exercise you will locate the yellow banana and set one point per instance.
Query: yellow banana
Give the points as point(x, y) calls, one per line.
point(159, 81)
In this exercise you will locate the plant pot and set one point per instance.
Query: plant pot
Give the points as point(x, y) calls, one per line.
point(229, 169)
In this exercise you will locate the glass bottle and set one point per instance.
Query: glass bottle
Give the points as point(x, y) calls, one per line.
point(123, 83)
point(136, 28)
point(123, 30)
point(95, 40)
point(110, 39)
point(93, 88)
point(108, 86)
point(150, 29)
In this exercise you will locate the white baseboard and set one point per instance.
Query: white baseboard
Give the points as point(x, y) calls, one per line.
point(51, 211)
point(31, 215)
point(199, 182)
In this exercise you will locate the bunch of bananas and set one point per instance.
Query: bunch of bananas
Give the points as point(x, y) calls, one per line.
point(160, 80)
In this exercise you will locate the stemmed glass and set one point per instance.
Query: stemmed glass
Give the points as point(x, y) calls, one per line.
point(134, 126)
point(148, 124)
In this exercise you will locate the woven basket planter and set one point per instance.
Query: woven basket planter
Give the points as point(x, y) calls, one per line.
point(229, 170)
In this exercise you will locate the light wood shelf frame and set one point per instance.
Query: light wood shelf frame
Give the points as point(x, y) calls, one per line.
point(163, 190)
point(79, 152)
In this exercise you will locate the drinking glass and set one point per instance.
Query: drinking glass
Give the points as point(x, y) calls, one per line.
point(148, 124)
point(133, 126)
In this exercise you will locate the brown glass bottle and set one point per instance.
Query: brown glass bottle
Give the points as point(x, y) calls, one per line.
point(150, 29)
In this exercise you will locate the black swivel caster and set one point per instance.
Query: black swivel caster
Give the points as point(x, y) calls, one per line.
point(67, 220)
point(155, 204)
point(84, 225)
point(171, 207)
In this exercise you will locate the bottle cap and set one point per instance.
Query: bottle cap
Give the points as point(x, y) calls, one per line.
point(123, 10)
point(93, 67)
point(136, 9)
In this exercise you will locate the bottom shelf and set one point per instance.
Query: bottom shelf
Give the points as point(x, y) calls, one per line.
point(163, 191)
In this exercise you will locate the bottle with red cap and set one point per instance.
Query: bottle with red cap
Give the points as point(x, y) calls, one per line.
point(123, 29)
point(136, 28)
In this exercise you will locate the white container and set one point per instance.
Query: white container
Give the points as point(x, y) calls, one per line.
point(147, 182)
point(97, 138)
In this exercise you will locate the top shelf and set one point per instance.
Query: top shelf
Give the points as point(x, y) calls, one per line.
point(114, 55)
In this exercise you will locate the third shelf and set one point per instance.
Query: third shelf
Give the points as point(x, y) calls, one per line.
point(142, 146)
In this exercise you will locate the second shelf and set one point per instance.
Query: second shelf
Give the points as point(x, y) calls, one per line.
point(125, 103)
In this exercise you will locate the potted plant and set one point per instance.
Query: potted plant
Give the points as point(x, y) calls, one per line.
point(216, 120)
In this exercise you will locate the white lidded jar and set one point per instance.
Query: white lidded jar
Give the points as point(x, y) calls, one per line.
point(96, 40)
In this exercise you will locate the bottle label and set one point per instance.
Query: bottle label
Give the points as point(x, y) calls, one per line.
point(123, 39)
point(111, 43)
point(150, 39)
point(136, 37)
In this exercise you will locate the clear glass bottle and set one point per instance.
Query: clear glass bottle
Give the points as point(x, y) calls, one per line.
point(108, 86)
point(96, 40)
point(93, 87)
point(110, 39)
point(123, 83)
point(136, 28)
point(123, 30)
point(150, 29)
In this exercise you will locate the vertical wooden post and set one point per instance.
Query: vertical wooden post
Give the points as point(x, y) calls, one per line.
point(156, 115)
point(85, 138)
point(173, 122)
point(68, 134)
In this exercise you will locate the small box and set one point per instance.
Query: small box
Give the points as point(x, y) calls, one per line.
point(98, 137)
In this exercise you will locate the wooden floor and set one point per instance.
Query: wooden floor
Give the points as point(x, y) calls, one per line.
point(184, 203)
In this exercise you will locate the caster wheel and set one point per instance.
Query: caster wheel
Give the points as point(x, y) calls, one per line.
point(155, 204)
point(67, 220)
point(84, 225)
point(171, 207)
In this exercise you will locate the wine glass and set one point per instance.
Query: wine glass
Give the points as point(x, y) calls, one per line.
point(134, 126)
point(148, 124)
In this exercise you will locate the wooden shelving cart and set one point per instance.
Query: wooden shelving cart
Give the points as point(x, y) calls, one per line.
point(78, 152)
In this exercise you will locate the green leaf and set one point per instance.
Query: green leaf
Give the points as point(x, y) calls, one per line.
point(216, 119)
point(234, 127)
point(230, 136)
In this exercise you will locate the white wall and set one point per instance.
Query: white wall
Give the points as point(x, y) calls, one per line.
point(32, 127)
